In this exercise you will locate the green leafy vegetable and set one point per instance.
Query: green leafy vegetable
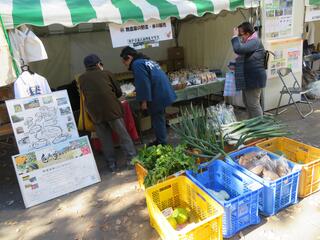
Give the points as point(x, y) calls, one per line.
point(163, 161)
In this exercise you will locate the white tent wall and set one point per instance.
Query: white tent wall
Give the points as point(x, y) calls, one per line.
point(57, 68)
point(7, 74)
point(207, 40)
point(66, 53)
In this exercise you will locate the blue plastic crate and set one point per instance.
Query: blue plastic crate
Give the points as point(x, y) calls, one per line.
point(277, 194)
point(241, 210)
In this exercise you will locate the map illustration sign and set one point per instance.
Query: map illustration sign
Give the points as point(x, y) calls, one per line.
point(42, 121)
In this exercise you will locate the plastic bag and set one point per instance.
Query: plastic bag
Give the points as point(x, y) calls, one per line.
point(314, 92)
point(221, 114)
point(282, 168)
point(127, 89)
point(263, 166)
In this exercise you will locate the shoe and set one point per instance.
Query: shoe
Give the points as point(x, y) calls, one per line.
point(153, 143)
point(113, 167)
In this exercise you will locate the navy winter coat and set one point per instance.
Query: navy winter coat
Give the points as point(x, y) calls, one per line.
point(250, 72)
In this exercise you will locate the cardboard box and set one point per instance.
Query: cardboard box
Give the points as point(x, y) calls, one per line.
point(145, 123)
point(170, 66)
point(175, 53)
point(178, 64)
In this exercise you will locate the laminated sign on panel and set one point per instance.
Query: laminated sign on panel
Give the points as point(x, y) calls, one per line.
point(56, 170)
point(278, 15)
point(42, 120)
point(288, 54)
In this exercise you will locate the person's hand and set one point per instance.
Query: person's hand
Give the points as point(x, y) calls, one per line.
point(144, 106)
point(235, 32)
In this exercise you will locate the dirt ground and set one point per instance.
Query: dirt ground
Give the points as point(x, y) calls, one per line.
point(116, 209)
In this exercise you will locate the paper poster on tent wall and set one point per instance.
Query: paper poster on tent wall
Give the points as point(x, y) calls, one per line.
point(140, 35)
point(56, 170)
point(287, 54)
point(312, 13)
point(41, 121)
point(278, 15)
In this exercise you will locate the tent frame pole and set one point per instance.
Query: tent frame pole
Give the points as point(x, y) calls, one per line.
point(16, 69)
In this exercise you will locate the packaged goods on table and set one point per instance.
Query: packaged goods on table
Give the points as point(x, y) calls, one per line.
point(192, 77)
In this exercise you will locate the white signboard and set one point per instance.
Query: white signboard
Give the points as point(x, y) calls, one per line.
point(56, 170)
point(278, 18)
point(42, 121)
point(312, 13)
point(140, 35)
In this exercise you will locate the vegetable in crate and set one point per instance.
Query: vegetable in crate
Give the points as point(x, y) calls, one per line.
point(195, 130)
point(163, 161)
point(177, 218)
point(260, 164)
point(181, 215)
point(239, 133)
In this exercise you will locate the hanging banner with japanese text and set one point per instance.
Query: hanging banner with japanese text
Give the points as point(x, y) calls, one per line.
point(140, 35)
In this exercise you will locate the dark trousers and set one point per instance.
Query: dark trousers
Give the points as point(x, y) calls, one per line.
point(104, 132)
point(158, 122)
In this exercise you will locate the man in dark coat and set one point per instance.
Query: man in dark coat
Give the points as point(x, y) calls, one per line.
point(250, 73)
point(101, 93)
point(154, 91)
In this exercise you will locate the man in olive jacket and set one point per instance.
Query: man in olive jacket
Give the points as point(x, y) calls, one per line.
point(101, 93)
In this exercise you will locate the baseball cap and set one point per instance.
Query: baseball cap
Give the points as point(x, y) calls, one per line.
point(91, 60)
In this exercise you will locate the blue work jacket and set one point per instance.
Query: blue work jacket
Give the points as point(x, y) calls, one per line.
point(152, 85)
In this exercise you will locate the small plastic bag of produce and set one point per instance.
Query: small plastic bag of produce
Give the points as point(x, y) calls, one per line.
point(282, 168)
point(221, 114)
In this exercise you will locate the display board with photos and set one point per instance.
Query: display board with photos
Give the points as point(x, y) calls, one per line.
point(287, 54)
point(41, 121)
point(278, 16)
point(56, 170)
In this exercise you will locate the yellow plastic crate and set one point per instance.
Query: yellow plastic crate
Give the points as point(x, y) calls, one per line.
point(307, 156)
point(182, 192)
point(141, 174)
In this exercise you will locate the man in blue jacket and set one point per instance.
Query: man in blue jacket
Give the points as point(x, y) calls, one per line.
point(154, 91)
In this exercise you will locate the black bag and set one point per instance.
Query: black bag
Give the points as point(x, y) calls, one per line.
point(266, 58)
